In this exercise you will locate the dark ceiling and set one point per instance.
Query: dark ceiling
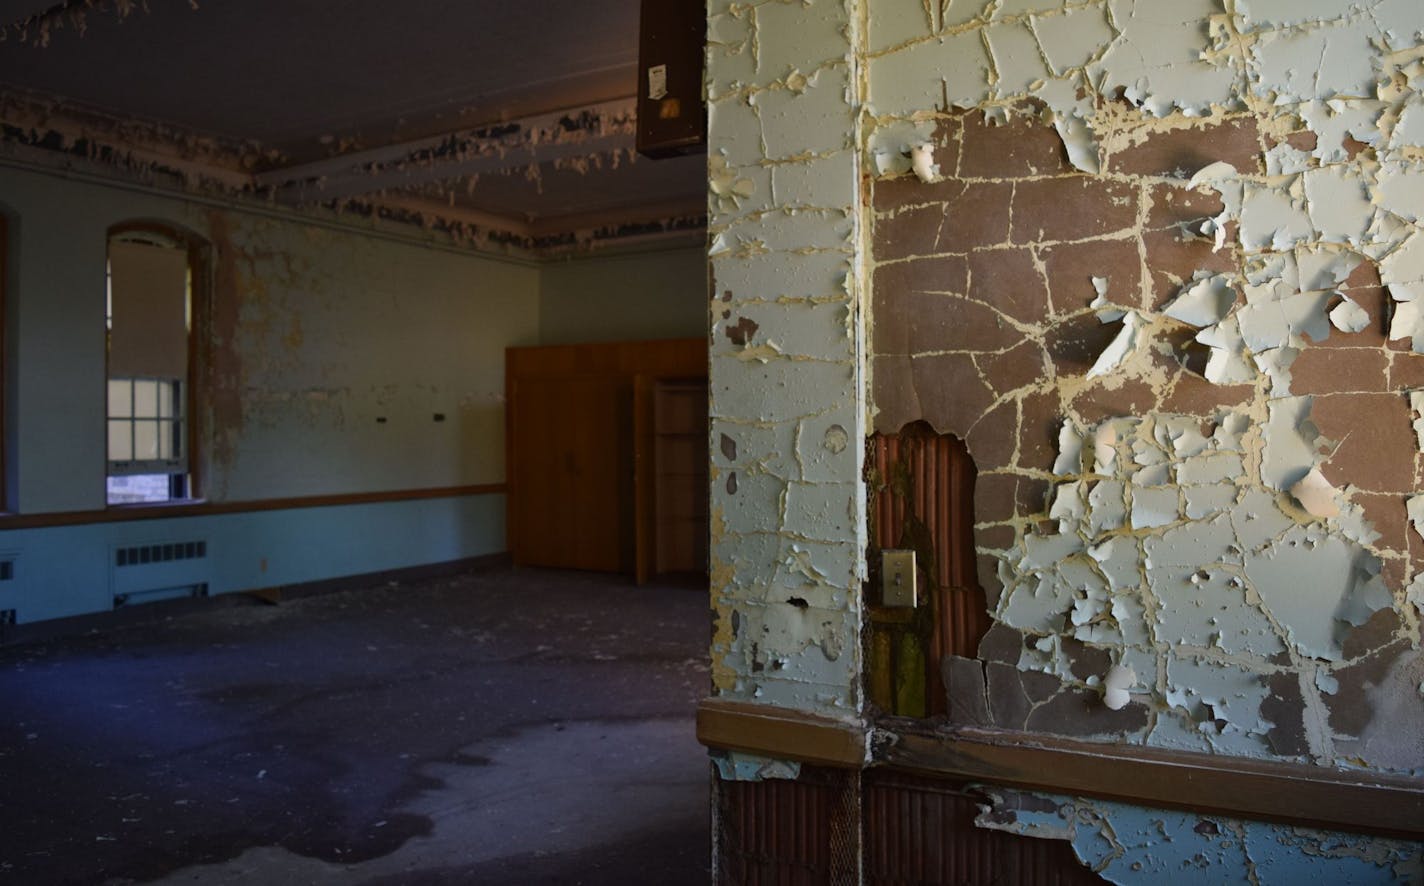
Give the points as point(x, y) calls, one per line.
point(307, 79)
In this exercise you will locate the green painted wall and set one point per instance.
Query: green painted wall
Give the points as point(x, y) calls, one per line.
point(647, 295)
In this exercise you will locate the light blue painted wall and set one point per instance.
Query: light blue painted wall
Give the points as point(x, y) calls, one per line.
point(334, 328)
point(69, 570)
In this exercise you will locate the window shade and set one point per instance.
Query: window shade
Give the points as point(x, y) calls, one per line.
point(149, 335)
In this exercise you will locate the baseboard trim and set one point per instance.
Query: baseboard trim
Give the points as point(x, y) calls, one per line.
point(57, 628)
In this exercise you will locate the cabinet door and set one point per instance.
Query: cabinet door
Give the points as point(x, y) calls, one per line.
point(680, 470)
point(566, 481)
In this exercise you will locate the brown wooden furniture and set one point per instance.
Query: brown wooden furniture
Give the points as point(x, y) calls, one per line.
point(582, 444)
point(678, 473)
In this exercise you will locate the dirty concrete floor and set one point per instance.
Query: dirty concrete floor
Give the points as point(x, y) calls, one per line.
point(516, 726)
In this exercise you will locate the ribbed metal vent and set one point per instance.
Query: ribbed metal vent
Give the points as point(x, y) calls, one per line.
point(148, 573)
point(166, 552)
point(921, 831)
point(927, 486)
point(789, 833)
point(922, 497)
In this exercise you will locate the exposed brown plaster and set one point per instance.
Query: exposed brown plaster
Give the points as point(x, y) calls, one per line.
point(1178, 153)
point(987, 334)
point(741, 332)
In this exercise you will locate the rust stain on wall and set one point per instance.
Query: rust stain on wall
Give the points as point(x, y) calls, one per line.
point(225, 371)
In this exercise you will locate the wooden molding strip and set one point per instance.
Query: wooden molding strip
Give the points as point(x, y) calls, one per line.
point(781, 732)
point(124, 513)
point(1297, 793)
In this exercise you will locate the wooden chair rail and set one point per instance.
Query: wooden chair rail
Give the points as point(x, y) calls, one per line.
point(1296, 793)
point(169, 510)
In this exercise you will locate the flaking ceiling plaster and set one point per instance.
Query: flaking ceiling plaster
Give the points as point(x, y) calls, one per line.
point(306, 79)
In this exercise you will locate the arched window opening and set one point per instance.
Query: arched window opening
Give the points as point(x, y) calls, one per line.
point(149, 335)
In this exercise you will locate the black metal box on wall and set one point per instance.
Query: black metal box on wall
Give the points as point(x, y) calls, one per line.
point(672, 118)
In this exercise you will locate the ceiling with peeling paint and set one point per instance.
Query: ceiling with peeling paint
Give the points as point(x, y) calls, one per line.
point(299, 81)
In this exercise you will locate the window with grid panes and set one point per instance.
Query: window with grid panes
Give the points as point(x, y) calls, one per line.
point(149, 322)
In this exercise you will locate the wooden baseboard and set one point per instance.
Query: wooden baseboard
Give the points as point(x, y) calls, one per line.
point(1296, 793)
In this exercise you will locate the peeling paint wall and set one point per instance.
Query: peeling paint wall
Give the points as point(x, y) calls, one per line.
point(1152, 300)
point(1157, 263)
point(316, 334)
point(787, 396)
point(1133, 844)
point(352, 348)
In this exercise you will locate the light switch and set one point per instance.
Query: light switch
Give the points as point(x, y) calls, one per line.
point(898, 585)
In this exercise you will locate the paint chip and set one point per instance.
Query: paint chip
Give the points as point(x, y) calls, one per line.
point(1121, 348)
point(1348, 316)
point(1316, 495)
point(1204, 302)
point(922, 162)
point(1116, 684)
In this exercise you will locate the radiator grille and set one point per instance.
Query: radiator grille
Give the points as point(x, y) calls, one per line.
point(166, 552)
point(148, 573)
point(789, 833)
point(922, 831)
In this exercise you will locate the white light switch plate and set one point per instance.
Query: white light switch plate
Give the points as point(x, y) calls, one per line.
point(899, 586)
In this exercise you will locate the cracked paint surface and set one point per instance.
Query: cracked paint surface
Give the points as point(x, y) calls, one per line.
point(1163, 282)
point(1176, 365)
point(787, 397)
point(1157, 264)
point(1130, 844)
point(1169, 309)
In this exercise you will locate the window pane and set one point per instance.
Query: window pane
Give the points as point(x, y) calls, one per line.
point(165, 399)
point(145, 440)
point(145, 398)
point(165, 439)
point(120, 444)
point(120, 397)
point(139, 488)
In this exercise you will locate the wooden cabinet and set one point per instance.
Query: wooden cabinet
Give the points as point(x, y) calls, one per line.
point(565, 487)
point(679, 476)
point(604, 443)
